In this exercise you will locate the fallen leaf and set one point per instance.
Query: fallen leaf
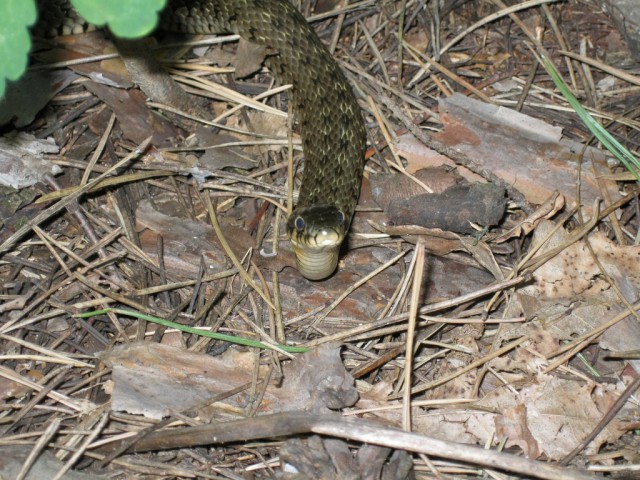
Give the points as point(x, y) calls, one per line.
point(22, 162)
point(573, 273)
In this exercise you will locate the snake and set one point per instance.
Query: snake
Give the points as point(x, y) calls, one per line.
point(330, 120)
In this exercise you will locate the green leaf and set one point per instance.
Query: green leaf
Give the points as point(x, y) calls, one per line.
point(126, 18)
point(15, 18)
point(608, 141)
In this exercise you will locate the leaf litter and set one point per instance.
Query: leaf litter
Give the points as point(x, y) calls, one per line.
point(514, 327)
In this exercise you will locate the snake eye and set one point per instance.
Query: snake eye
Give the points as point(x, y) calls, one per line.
point(299, 223)
point(340, 218)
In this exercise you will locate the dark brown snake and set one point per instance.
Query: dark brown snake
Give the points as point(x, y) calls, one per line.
point(331, 124)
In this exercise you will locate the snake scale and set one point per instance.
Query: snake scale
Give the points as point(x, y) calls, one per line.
point(330, 121)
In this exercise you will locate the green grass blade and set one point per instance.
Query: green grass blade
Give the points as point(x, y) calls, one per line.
point(203, 333)
point(609, 141)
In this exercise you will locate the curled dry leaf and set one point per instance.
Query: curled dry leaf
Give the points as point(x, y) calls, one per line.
point(437, 241)
point(547, 210)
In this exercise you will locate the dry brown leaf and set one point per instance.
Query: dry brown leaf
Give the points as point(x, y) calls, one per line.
point(249, 58)
point(436, 241)
point(463, 385)
point(263, 123)
point(561, 413)
point(10, 389)
point(22, 162)
point(547, 210)
point(512, 425)
point(557, 415)
point(221, 156)
point(138, 122)
point(481, 252)
point(574, 273)
point(557, 321)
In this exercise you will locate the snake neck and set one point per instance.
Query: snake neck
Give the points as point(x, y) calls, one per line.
point(331, 124)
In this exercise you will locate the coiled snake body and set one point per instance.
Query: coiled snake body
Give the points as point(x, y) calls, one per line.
point(331, 124)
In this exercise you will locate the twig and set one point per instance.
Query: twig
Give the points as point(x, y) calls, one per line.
point(411, 330)
point(295, 423)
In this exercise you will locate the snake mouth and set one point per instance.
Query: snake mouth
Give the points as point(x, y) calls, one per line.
point(317, 232)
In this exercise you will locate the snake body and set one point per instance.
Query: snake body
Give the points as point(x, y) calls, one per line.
point(331, 124)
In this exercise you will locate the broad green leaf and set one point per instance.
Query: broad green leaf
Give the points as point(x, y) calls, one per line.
point(15, 18)
point(126, 18)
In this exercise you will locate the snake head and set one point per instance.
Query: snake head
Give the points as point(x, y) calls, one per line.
point(316, 233)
